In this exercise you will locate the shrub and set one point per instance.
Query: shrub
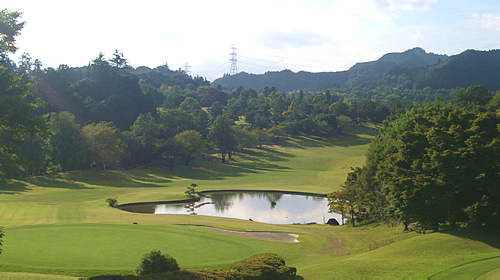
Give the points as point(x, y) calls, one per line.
point(112, 202)
point(263, 266)
point(156, 262)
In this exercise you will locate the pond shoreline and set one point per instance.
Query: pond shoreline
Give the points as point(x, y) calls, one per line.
point(201, 193)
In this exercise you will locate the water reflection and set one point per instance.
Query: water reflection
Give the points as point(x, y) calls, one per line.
point(267, 207)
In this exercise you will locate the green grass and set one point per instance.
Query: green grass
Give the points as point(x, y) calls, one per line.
point(61, 225)
point(480, 269)
point(90, 249)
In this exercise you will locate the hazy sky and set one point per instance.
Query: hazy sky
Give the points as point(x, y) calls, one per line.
point(270, 35)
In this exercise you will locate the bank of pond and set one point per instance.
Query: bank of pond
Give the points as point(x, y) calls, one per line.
point(273, 207)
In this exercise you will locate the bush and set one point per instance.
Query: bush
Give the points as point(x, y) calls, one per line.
point(263, 266)
point(156, 262)
point(260, 266)
point(112, 202)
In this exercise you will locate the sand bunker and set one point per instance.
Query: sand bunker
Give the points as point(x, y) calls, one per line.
point(269, 236)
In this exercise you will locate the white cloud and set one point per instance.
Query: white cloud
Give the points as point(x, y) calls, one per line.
point(405, 5)
point(417, 37)
point(490, 22)
point(296, 39)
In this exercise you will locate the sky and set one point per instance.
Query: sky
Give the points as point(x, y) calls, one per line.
point(268, 35)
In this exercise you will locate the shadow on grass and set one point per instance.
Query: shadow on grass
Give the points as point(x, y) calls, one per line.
point(487, 236)
point(265, 154)
point(13, 187)
point(213, 169)
point(247, 162)
point(346, 137)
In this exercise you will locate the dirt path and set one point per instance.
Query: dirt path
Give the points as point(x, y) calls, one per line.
point(269, 236)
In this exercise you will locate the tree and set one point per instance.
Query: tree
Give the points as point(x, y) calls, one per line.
point(263, 137)
point(156, 262)
point(191, 190)
point(473, 95)
point(439, 164)
point(350, 198)
point(142, 137)
point(174, 121)
point(10, 28)
point(106, 147)
point(191, 145)
point(112, 202)
point(169, 149)
point(119, 61)
point(207, 95)
point(36, 153)
point(222, 136)
point(245, 138)
point(337, 203)
point(17, 120)
point(111, 93)
point(68, 146)
point(1, 236)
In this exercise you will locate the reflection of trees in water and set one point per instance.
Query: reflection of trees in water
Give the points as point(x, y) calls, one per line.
point(222, 201)
point(139, 208)
point(190, 208)
point(317, 198)
point(273, 198)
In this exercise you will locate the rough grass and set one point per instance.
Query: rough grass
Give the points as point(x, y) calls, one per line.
point(60, 224)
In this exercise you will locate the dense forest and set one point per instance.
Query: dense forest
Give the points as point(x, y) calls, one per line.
point(432, 163)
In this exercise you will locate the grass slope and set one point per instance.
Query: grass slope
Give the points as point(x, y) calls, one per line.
point(60, 224)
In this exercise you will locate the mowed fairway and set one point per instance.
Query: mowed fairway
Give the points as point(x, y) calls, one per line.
point(60, 224)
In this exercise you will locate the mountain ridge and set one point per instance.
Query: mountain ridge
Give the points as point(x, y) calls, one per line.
point(413, 68)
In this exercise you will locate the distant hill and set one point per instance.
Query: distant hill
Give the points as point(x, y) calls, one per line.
point(413, 68)
point(285, 80)
point(468, 68)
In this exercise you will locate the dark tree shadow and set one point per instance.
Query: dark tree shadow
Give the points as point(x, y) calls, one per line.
point(11, 188)
point(487, 236)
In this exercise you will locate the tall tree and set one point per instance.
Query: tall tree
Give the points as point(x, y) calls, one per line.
point(68, 146)
point(16, 115)
point(106, 147)
point(222, 136)
point(10, 28)
point(191, 145)
point(141, 138)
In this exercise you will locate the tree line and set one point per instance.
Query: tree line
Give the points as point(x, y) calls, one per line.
point(109, 115)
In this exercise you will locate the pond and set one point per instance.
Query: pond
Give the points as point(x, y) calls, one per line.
point(266, 207)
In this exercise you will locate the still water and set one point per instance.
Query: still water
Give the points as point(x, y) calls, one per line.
point(266, 207)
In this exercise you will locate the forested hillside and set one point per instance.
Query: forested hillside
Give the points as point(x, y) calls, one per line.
point(410, 70)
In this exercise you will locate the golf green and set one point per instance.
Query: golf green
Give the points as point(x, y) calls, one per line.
point(118, 247)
